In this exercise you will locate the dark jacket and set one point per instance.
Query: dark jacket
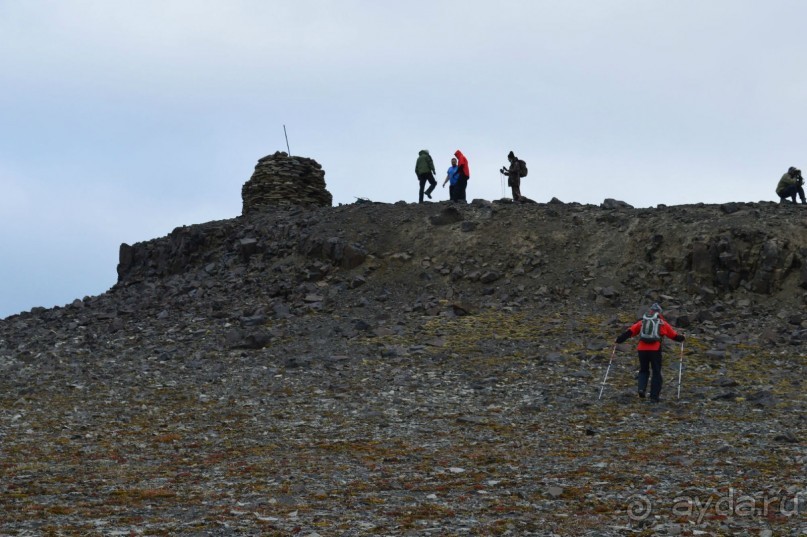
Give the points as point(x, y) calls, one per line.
point(514, 172)
point(424, 163)
point(786, 181)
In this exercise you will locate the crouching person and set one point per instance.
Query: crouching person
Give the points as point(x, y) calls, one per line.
point(790, 185)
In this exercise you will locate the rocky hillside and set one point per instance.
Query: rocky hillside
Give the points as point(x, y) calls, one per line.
point(376, 369)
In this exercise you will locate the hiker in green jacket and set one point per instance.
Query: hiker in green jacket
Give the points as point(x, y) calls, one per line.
point(791, 184)
point(424, 169)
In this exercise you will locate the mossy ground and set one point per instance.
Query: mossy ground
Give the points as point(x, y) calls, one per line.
point(467, 428)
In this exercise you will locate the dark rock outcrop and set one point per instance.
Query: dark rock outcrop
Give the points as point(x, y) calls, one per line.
point(374, 368)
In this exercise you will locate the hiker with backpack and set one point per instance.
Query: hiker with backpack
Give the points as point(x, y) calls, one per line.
point(463, 175)
point(517, 170)
point(452, 178)
point(651, 328)
point(424, 169)
point(789, 185)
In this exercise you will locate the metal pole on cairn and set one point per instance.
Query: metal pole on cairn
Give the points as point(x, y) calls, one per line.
point(602, 388)
point(287, 140)
point(680, 369)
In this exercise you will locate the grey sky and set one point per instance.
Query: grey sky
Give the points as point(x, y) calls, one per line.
point(124, 119)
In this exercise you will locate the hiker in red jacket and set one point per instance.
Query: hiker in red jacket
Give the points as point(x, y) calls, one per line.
point(463, 174)
point(652, 327)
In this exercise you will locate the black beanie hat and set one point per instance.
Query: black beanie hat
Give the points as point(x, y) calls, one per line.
point(510, 155)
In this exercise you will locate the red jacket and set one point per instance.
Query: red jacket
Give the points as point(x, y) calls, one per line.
point(664, 330)
point(462, 163)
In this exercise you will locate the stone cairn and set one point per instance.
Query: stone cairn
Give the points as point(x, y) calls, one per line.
point(281, 181)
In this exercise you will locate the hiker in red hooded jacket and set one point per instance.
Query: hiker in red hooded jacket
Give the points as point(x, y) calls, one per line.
point(652, 327)
point(463, 174)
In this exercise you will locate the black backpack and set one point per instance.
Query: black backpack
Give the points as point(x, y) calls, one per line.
point(523, 168)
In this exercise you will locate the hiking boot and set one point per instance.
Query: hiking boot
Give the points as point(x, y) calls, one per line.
point(641, 395)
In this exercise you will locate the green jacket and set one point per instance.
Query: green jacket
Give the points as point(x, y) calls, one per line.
point(786, 181)
point(424, 164)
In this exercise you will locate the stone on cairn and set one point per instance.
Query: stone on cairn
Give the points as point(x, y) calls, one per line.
point(281, 180)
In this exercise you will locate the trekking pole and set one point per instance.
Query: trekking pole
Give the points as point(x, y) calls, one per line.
point(602, 388)
point(680, 369)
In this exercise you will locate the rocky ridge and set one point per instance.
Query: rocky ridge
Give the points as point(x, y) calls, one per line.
point(377, 369)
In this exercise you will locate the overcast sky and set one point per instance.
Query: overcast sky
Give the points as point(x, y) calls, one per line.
point(123, 119)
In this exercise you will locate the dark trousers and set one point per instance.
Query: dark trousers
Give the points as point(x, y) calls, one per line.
point(791, 192)
point(452, 192)
point(650, 360)
point(515, 186)
point(423, 177)
point(462, 184)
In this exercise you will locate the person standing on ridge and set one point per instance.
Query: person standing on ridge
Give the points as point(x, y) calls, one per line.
point(790, 184)
point(652, 327)
point(451, 179)
point(424, 169)
point(514, 173)
point(463, 175)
